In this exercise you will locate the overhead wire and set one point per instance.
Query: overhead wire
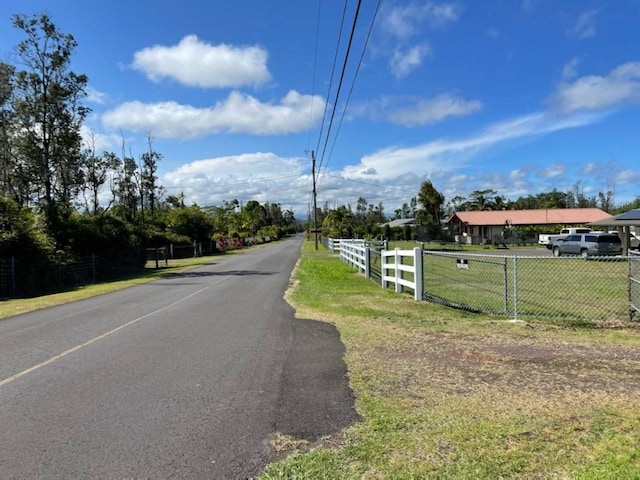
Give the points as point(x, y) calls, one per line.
point(315, 66)
point(333, 69)
point(344, 68)
point(353, 82)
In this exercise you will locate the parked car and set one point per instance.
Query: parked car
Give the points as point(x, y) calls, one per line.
point(547, 239)
point(634, 242)
point(588, 244)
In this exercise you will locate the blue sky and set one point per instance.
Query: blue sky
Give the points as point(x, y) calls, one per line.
point(519, 96)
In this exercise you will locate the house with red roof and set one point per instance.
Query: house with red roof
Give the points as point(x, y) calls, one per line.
point(480, 227)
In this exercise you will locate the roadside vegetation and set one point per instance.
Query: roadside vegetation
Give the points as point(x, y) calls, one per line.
point(450, 394)
point(63, 201)
point(17, 306)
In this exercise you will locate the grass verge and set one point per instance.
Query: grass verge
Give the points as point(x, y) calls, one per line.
point(17, 306)
point(450, 394)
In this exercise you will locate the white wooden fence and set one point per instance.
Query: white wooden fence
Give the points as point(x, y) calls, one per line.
point(397, 265)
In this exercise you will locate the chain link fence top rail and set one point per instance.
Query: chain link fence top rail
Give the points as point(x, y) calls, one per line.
point(597, 289)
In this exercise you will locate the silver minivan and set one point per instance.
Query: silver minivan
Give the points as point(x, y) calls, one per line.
point(588, 245)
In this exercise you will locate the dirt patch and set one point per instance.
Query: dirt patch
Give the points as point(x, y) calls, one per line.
point(464, 364)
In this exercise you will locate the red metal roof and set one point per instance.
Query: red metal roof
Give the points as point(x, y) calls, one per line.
point(551, 216)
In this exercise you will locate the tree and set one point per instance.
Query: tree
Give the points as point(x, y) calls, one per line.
point(431, 201)
point(8, 172)
point(49, 114)
point(95, 171)
point(338, 222)
point(482, 199)
point(253, 216)
point(149, 189)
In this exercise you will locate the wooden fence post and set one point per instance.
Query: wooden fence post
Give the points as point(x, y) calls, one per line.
point(418, 278)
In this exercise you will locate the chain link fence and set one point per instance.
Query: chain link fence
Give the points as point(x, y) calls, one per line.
point(598, 289)
point(634, 286)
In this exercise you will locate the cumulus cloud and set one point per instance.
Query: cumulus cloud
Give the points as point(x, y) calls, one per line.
point(239, 113)
point(404, 61)
point(620, 87)
point(195, 63)
point(434, 110)
point(261, 176)
point(584, 26)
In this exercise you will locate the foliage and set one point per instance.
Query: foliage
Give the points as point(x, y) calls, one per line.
point(46, 121)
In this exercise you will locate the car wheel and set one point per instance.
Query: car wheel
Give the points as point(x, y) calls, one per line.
point(556, 251)
point(584, 253)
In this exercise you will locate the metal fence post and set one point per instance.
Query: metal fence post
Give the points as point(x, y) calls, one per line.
point(13, 276)
point(505, 280)
point(515, 287)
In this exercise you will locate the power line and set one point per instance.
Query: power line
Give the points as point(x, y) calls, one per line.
point(344, 67)
point(333, 68)
point(315, 65)
point(353, 82)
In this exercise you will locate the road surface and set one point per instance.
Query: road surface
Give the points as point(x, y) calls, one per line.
point(185, 377)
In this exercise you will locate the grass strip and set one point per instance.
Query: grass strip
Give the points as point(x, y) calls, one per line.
point(451, 394)
point(17, 306)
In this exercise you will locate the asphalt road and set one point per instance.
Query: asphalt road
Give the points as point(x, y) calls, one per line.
point(186, 377)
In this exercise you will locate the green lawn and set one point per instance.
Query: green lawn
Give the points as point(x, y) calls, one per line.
point(445, 393)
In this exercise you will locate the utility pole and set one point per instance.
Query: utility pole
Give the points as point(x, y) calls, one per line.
point(315, 209)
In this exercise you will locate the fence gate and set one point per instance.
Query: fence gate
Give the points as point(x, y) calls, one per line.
point(634, 287)
point(473, 282)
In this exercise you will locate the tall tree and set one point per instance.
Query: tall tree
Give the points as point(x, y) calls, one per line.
point(49, 113)
point(482, 199)
point(431, 201)
point(150, 190)
point(95, 169)
point(7, 167)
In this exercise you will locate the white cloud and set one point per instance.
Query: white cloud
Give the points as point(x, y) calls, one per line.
point(620, 87)
point(95, 96)
point(552, 171)
point(99, 142)
point(439, 15)
point(569, 71)
point(405, 21)
point(451, 154)
point(584, 26)
point(260, 176)
point(196, 63)
point(434, 110)
point(627, 177)
point(403, 62)
point(237, 114)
